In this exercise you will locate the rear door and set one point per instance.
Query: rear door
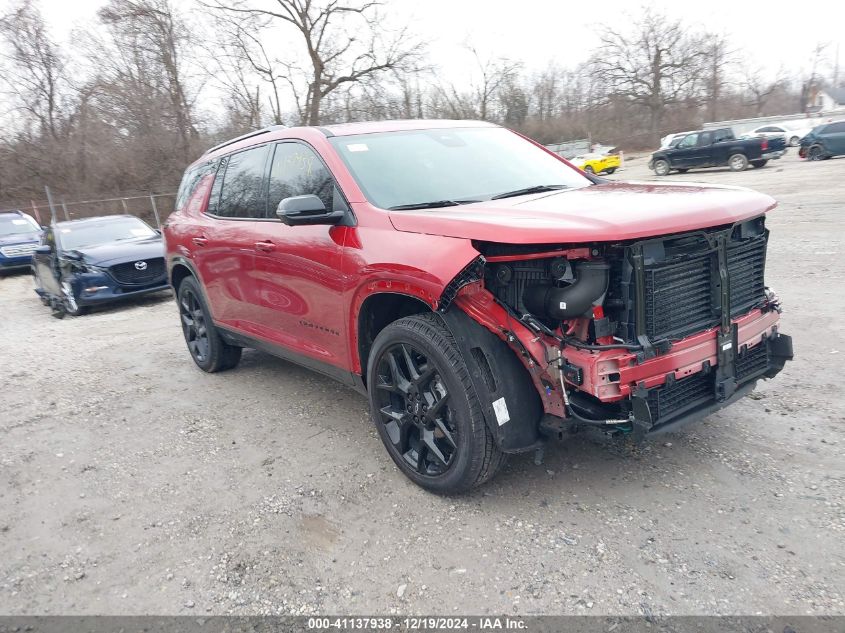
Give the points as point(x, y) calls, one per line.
point(298, 280)
point(224, 251)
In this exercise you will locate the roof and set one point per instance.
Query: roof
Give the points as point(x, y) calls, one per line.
point(275, 132)
point(16, 213)
point(100, 219)
point(400, 125)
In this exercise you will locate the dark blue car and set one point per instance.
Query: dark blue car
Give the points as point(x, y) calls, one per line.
point(824, 141)
point(19, 237)
point(82, 263)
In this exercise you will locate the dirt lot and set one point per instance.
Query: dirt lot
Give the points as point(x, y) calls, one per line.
point(132, 483)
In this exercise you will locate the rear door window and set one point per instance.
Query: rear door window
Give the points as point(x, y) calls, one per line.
point(241, 185)
point(835, 128)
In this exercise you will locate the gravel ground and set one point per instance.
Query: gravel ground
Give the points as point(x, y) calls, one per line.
point(132, 483)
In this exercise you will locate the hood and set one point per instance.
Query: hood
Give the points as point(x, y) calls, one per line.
point(128, 251)
point(20, 238)
point(606, 212)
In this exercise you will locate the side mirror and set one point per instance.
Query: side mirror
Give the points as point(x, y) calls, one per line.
point(309, 209)
point(43, 250)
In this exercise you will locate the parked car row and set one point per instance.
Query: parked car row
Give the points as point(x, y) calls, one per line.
point(19, 237)
point(77, 264)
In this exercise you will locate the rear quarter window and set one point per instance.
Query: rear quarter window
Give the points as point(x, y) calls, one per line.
point(191, 181)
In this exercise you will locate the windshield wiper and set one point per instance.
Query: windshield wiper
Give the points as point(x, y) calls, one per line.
point(527, 190)
point(430, 205)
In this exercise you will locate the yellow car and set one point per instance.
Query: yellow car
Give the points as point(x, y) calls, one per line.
point(597, 163)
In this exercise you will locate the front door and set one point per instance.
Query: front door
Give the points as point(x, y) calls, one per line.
point(684, 154)
point(297, 277)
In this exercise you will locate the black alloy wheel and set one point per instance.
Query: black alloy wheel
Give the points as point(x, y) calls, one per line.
point(209, 351)
point(193, 325)
point(414, 409)
point(815, 153)
point(425, 407)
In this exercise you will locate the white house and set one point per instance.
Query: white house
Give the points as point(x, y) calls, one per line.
point(824, 99)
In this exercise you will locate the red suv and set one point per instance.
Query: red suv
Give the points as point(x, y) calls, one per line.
point(482, 292)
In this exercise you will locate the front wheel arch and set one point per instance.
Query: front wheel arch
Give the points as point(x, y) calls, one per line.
point(378, 311)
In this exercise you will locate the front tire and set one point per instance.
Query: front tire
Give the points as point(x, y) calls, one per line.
point(738, 162)
point(209, 351)
point(425, 407)
point(589, 169)
point(759, 163)
point(661, 167)
point(71, 306)
point(815, 153)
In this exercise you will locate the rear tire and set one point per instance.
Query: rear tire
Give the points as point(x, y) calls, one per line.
point(425, 408)
point(209, 351)
point(738, 162)
point(794, 141)
point(759, 163)
point(610, 170)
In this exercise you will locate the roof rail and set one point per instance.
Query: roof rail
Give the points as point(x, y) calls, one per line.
point(243, 137)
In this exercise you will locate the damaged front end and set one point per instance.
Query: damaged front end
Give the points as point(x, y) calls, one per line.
point(633, 337)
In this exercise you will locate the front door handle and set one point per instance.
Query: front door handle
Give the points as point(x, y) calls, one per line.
point(199, 241)
point(266, 246)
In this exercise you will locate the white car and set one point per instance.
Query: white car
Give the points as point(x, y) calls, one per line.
point(792, 135)
point(667, 140)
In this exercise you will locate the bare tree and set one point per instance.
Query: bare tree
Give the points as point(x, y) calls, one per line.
point(342, 43)
point(152, 37)
point(718, 57)
point(34, 69)
point(654, 64)
point(479, 97)
point(811, 82)
point(758, 88)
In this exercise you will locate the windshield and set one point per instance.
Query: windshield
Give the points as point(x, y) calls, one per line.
point(401, 169)
point(18, 224)
point(75, 236)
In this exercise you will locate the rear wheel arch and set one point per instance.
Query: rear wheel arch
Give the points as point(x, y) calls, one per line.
point(178, 274)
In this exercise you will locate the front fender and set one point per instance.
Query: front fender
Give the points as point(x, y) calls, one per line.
point(511, 405)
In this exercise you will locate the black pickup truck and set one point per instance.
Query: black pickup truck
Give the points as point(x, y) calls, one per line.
point(714, 148)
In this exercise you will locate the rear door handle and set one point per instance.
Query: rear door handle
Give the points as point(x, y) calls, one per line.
point(199, 241)
point(266, 246)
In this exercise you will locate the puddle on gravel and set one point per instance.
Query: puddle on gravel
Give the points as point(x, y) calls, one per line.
point(318, 531)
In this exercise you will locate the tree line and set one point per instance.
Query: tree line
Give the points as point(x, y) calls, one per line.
point(128, 104)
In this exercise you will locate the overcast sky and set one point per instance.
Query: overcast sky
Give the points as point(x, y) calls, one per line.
point(536, 31)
